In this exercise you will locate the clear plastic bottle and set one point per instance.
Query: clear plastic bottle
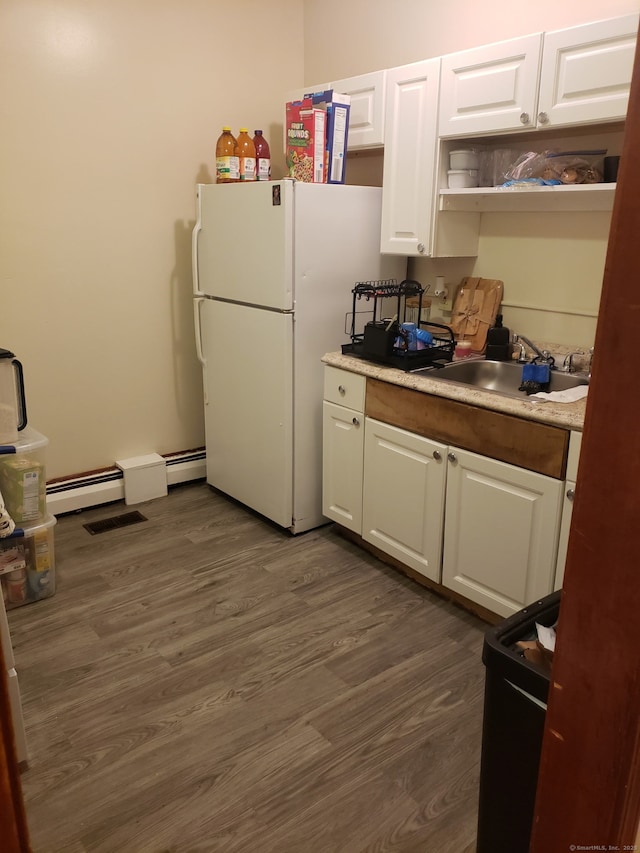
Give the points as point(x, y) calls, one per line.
point(263, 157)
point(227, 166)
point(246, 154)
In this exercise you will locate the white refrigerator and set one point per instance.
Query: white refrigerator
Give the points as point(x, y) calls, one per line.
point(274, 264)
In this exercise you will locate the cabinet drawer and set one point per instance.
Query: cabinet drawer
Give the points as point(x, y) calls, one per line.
point(344, 388)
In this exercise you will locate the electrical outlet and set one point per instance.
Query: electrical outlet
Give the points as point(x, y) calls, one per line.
point(445, 304)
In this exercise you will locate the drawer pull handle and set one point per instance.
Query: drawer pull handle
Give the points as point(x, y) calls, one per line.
point(543, 118)
point(355, 422)
point(437, 455)
point(452, 457)
point(570, 494)
point(524, 118)
point(341, 389)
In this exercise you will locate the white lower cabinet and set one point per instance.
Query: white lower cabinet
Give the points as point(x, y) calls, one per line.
point(501, 532)
point(565, 526)
point(342, 465)
point(482, 528)
point(403, 496)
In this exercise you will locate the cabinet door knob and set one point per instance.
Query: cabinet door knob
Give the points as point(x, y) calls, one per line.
point(543, 118)
point(452, 457)
point(355, 422)
point(342, 389)
point(570, 494)
point(437, 455)
point(525, 118)
point(421, 248)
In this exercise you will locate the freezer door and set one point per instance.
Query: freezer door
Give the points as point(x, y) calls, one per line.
point(337, 232)
point(248, 378)
point(243, 242)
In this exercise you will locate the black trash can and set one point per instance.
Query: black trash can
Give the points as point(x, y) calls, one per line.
point(515, 704)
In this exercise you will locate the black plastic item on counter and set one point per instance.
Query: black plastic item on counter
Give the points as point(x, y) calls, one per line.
point(610, 170)
point(498, 342)
point(515, 705)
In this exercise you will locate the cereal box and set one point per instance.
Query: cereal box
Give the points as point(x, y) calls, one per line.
point(337, 108)
point(306, 134)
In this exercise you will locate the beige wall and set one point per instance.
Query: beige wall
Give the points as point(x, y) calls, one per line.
point(110, 113)
point(551, 265)
point(366, 35)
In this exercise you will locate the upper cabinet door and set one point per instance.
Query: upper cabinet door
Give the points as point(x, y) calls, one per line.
point(409, 158)
point(490, 89)
point(586, 72)
point(366, 119)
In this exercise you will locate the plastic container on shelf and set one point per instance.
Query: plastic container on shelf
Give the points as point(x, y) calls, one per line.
point(464, 159)
point(27, 564)
point(462, 178)
point(227, 167)
point(263, 157)
point(23, 481)
point(246, 154)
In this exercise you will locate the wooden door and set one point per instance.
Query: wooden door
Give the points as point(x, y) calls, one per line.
point(589, 780)
point(403, 496)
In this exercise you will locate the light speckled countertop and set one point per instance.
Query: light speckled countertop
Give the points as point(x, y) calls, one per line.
point(567, 415)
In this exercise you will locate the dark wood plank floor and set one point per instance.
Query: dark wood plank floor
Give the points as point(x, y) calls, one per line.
point(204, 682)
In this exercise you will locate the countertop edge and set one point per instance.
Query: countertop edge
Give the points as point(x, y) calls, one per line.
point(567, 415)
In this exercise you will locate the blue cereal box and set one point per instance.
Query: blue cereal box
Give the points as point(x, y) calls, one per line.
point(337, 108)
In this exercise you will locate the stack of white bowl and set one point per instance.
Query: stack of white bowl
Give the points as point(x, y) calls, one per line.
point(463, 169)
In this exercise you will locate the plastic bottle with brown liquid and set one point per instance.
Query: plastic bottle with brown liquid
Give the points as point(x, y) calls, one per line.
point(263, 157)
point(227, 165)
point(246, 154)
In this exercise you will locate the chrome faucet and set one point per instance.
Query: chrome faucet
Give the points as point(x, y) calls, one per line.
point(567, 365)
point(520, 340)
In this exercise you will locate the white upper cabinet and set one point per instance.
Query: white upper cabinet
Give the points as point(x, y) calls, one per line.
point(575, 76)
point(586, 72)
point(409, 158)
point(491, 88)
point(366, 119)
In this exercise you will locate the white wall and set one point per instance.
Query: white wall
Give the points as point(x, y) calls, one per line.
point(552, 266)
point(110, 111)
point(346, 37)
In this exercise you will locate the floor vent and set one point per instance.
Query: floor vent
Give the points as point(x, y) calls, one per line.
point(114, 522)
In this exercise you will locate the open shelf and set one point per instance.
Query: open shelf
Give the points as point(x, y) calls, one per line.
point(582, 197)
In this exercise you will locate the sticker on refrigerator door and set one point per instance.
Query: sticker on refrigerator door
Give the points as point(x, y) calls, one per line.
point(275, 195)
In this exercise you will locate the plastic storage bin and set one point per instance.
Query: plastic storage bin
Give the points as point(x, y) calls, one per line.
point(515, 704)
point(465, 158)
point(460, 179)
point(23, 481)
point(27, 564)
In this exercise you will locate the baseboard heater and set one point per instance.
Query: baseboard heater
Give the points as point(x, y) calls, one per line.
point(107, 486)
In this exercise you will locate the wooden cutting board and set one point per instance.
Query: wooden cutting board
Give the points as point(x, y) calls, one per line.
point(475, 308)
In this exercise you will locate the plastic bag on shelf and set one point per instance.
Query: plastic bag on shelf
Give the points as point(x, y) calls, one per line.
point(564, 167)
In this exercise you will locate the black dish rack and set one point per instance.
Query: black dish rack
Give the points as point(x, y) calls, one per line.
point(383, 339)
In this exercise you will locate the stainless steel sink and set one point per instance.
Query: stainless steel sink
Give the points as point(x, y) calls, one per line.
point(503, 377)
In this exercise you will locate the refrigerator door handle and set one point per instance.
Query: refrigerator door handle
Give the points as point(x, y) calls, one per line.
point(197, 228)
point(197, 302)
